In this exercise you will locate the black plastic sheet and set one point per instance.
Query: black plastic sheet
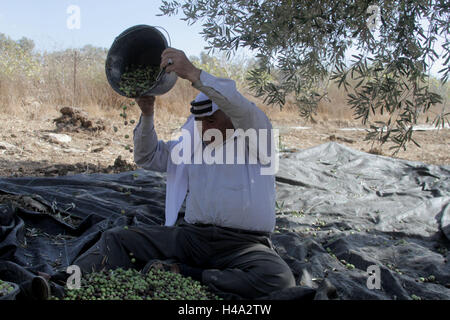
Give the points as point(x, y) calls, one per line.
point(339, 211)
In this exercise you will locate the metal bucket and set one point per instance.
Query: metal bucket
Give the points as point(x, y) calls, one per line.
point(140, 45)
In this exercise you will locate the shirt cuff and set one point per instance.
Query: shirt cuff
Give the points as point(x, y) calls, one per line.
point(205, 79)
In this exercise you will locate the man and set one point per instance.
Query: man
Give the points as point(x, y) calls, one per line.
point(224, 239)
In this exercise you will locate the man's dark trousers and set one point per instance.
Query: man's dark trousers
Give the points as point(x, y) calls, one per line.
point(234, 261)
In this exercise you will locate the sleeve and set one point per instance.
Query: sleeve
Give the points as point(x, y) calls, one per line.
point(243, 113)
point(149, 153)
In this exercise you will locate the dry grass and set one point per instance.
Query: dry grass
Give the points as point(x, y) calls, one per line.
point(40, 95)
point(173, 107)
point(334, 106)
point(36, 85)
point(177, 101)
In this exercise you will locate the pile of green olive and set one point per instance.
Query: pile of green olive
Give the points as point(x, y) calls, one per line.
point(131, 284)
point(5, 288)
point(135, 81)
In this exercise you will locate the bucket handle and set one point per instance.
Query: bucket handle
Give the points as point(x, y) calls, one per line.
point(167, 33)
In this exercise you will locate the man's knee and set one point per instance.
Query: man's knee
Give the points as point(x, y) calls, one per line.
point(281, 276)
point(287, 279)
point(271, 274)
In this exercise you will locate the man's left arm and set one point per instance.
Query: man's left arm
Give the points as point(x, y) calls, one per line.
point(243, 113)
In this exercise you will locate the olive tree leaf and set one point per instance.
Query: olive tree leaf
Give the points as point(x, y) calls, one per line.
point(301, 45)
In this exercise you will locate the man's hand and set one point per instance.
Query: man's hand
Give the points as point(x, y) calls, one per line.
point(180, 64)
point(147, 104)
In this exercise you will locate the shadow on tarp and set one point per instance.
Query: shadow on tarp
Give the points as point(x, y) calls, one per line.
point(73, 212)
point(342, 211)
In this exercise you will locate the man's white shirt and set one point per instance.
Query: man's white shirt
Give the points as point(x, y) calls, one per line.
point(227, 195)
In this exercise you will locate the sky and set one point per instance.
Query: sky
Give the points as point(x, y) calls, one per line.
point(46, 22)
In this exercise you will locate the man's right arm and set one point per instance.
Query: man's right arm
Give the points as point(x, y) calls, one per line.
point(149, 153)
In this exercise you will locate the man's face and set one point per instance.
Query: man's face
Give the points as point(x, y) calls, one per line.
point(218, 120)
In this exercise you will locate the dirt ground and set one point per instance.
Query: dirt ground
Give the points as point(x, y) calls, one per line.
point(30, 148)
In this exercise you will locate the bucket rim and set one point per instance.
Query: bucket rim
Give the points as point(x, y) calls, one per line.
point(127, 32)
point(135, 28)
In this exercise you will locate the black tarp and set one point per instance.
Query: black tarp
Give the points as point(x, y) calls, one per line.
point(339, 211)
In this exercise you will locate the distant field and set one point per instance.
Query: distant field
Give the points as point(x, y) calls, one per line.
point(34, 85)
